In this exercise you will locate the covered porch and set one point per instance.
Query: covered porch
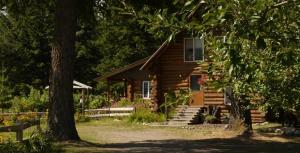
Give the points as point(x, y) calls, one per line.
point(137, 84)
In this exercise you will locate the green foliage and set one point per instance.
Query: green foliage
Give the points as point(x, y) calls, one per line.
point(98, 102)
point(211, 119)
point(38, 101)
point(34, 101)
point(5, 92)
point(172, 100)
point(260, 57)
point(37, 143)
point(12, 147)
point(144, 115)
point(25, 35)
point(142, 103)
point(124, 103)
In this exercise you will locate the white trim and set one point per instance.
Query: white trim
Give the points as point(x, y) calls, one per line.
point(148, 97)
point(203, 50)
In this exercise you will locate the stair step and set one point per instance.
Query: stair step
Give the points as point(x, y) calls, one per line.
point(185, 118)
point(186, 115)
point(188, 112)
point(179, 122)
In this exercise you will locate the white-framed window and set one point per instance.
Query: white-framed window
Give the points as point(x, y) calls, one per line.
point(146, 89)
point(193, 49)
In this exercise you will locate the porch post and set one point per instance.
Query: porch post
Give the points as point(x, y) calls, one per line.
point(125, 88)
point(130, 89)
point(108, 90)
point(154, 92)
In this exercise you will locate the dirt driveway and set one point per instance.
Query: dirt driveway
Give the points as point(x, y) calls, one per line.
point(120, 138)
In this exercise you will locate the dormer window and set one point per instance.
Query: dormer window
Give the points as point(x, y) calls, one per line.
point(193, 49)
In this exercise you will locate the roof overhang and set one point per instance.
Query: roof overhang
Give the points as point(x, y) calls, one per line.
point(77, 85)
point(123, 69)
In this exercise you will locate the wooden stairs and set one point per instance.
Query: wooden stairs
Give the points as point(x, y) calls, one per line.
point(186, 115)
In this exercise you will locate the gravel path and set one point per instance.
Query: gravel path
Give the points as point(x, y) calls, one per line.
point(145, 139)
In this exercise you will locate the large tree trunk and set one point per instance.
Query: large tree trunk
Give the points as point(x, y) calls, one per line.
point(61, 109)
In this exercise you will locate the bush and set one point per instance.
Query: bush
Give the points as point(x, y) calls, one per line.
point(15, 119)
point(19, 104)
point(211, 119)
point(37, 143)
point(142, 103)
point(35, 101)
point(125, 103)
point(145, 116)
point(12, 147)
point(98, 102)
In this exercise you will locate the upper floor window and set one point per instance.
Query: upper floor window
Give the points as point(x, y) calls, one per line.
point(193, 49)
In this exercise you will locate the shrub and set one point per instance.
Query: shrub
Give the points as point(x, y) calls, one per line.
point(12, 147)
point(211, 119)
point(172, 100)
point(35, 101)
point(98, 102)
point(15, 119)
point(125, 103)
point(142, 103)
point(37, 143)
point(144, 115)
point(19, 104)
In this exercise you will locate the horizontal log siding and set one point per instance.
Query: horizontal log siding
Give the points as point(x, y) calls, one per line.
point(174, 75)
point(174, 72)
point(137, 89)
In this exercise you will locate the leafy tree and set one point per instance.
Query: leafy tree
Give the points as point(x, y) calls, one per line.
point(5, 92)
point(260, 55)
point(25, 34)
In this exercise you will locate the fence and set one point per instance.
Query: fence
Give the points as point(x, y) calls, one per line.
point(109, 112)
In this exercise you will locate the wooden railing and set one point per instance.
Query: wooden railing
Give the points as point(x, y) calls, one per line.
point(19, 128)
point(109, 112)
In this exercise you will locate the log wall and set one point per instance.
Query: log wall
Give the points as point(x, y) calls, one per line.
point(174, 75)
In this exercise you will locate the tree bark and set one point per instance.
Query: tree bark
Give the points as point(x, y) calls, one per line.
point(61, 109)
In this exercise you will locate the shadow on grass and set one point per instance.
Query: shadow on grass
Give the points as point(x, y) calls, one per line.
point(216, 145)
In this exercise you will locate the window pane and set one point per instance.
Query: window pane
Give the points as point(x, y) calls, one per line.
point(188, 50)
point(195, 82)
point(145, 89)
point(198, 49)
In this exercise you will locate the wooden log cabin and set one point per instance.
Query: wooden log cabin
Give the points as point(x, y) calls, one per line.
point(174, 66)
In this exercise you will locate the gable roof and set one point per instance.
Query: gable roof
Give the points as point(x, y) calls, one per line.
point(123, 69)
point(146, 61)
point(161, 49)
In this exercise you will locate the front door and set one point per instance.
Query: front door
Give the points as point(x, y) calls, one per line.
point(197, 97)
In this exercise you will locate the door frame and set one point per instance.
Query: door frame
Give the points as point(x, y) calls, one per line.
point(201, 91)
